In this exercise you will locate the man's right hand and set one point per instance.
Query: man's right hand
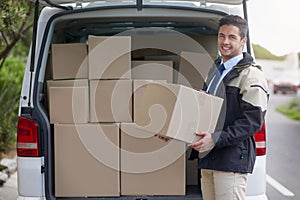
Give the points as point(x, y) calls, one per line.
point(206, 142)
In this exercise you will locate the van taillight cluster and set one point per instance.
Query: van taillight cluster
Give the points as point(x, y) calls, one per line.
point(260, 140)
point(27, 138)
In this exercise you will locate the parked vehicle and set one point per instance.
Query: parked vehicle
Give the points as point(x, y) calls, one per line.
point(285, 87)
point(159, 30)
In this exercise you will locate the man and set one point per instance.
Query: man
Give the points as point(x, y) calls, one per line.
point(230, 150)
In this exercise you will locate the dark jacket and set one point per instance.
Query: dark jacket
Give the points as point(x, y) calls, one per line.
point(244, 90)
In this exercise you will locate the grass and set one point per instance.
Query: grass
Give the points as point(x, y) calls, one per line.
point(291, 109)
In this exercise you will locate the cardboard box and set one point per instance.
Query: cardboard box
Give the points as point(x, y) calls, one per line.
point(149, 165)
point(136, 85)
point(152, 70)
point(174, 58)
point(86, 160)
point(68, 101)
point(69, 61)
point(176, 111)
point(109, 57)
point(193, 69)
point(111, 100)
point(68, 83)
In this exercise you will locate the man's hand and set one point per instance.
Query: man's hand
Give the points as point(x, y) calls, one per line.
point(206, 142)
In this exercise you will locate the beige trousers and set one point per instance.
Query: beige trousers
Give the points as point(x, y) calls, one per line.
point(219, 185)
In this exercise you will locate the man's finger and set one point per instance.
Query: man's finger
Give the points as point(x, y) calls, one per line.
point(198, 133)
point(196, 144)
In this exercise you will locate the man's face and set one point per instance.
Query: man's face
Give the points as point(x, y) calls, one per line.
point(230, 43)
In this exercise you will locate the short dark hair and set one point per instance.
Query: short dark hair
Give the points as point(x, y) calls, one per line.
point(237, 21)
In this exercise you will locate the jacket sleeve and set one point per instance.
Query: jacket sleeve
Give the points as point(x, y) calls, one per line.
point(253, 105)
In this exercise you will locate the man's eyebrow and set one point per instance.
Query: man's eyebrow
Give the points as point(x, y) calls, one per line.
point(230, 35)
point(233, 35)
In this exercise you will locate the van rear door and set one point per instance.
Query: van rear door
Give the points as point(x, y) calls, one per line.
point(228, 2)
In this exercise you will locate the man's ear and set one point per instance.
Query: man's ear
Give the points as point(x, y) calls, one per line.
point(244, 41)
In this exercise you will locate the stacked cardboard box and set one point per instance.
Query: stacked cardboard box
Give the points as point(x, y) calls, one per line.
point(110, 79)
point(94, 108)
point(110, 100)
point(69, 61)
point(86, 160)
point(68, 101)
point(86, 149)
point(150, 166)
point(85, 112)
point(152, 70)
point(109, 57)
point(68, 91)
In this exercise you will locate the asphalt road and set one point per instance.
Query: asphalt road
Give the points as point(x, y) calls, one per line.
point(283, 149)
point(283, 160)
point(9, 190)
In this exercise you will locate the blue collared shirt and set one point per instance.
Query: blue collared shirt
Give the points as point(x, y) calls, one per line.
point(229, 64)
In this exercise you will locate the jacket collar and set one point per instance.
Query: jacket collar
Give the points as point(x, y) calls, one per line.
point(246, 61)
point(242, 64)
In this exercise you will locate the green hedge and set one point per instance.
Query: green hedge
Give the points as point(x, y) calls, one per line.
point(11, 76)
point(291, 109)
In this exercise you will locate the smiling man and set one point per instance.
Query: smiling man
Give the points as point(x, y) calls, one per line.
point(228, 154)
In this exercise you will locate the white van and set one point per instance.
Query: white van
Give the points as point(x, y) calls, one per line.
point(53, 162)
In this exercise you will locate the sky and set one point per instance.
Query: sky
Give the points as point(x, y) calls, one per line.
point(275, 25)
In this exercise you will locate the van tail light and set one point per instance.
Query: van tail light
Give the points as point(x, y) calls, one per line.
point(260, 140)
point(27, 138)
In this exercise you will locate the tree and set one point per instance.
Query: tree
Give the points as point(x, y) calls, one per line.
point(15, 22)
point(11, 77)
